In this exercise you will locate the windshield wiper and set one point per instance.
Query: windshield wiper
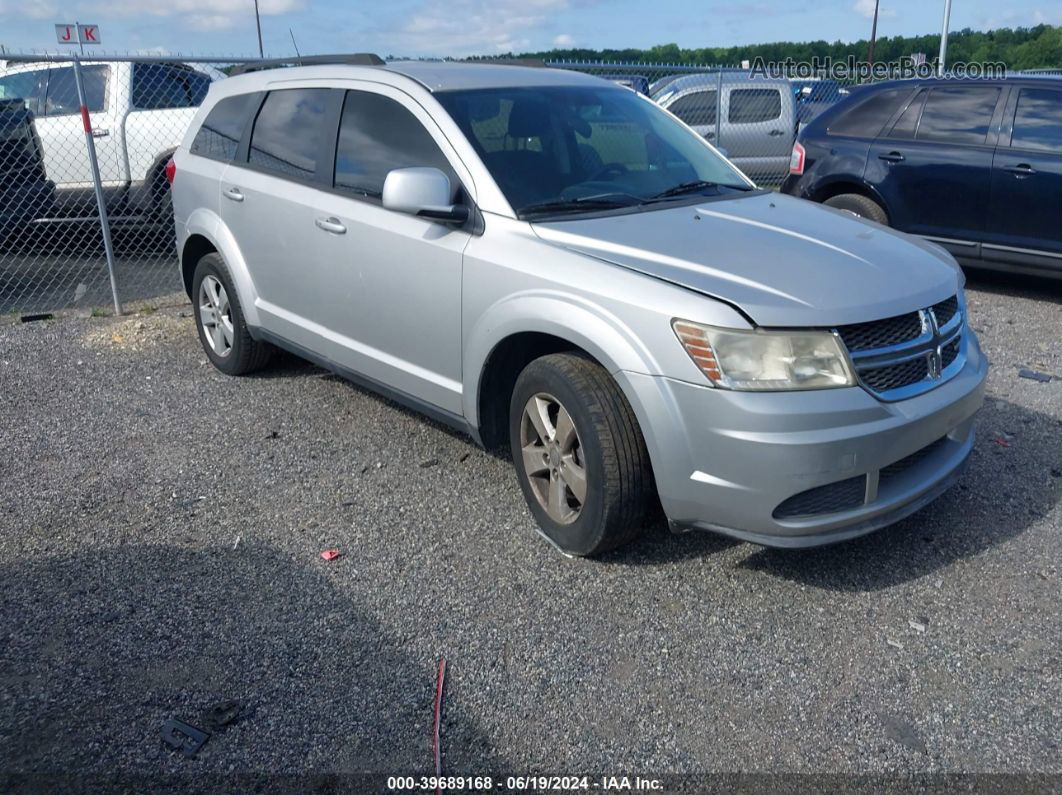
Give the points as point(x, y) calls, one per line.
point(693, 187)
point(606, 201)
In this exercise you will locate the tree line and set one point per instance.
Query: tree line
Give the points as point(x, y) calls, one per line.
point(1036, 47)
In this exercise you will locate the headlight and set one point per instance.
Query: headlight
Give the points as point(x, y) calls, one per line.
point(765, 360)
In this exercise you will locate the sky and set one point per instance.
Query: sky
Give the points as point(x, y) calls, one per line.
point(481, 27)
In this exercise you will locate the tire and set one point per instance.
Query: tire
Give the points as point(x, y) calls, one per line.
point(235, 351)
point(608, 448)
point(859, 205)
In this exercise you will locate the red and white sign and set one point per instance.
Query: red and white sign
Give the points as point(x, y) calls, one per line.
point(77, 34)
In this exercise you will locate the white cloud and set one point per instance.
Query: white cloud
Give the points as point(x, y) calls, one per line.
point(470, 27)
point(35, 9)
point(865, 8)
point(563, 41)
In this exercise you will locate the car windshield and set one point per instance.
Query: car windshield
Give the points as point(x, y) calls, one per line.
point(562, 149)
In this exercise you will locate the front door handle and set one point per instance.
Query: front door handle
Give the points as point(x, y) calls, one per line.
point(234, 194)
point(1021, 170)
point(100, 133)
point(330, 225)
point(776, 132)
point(892, 157)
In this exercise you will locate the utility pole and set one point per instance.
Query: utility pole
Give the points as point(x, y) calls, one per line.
point(258, 24)
point(873, 34)
point(944, 38)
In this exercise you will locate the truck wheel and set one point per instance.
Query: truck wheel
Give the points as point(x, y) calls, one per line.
point(579, 454)
point(859, 205)
point(218, 317)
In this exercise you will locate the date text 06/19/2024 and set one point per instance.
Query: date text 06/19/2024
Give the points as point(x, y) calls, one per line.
point(525, 783)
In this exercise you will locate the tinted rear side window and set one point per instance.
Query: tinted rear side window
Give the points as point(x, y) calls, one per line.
point(907, 125)
point(1038, 120)
point(695, 109)
point(220, 134)
point(288, 133)
point(156, 86)
point(753, 105)
point(376, 135)
point(865, 119)
point(958, 114)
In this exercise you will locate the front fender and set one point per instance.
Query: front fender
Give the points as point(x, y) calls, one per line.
point(584, 324)
point(209, 224)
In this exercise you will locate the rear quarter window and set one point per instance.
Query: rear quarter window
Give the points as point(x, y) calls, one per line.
point(1038, 120)
point(219, 137)
point(864, 119)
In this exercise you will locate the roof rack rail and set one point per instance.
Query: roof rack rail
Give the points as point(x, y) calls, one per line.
point(536, 63)
point(350, 59)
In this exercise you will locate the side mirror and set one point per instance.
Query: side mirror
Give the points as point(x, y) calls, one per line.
point(424, 192)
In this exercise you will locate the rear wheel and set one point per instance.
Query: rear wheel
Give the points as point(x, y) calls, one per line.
point(219, 318)
point(859, 205)
point(579, 455)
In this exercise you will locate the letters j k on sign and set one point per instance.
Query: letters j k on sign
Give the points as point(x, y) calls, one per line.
point(77, 34)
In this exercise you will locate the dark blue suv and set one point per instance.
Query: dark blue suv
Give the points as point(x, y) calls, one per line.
point(974, 165)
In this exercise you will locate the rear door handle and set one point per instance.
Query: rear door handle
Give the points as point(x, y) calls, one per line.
point(892, 157)
point(234, 194)
point(1021, 170)
point(330, 225)
point(776, 132)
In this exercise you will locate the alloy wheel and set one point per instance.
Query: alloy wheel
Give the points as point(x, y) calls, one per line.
point(553, 458)
point(215, 315)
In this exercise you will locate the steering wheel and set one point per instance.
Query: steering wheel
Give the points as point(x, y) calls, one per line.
point(609, 171)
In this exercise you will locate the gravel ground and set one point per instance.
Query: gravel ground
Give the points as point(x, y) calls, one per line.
point(159, 553)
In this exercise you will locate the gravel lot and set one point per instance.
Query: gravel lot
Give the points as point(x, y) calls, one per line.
point(129, 469)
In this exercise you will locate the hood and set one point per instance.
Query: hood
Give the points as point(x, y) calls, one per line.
point(783, 261)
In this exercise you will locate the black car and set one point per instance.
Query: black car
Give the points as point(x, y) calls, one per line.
point(974, 165)
point(25, 192)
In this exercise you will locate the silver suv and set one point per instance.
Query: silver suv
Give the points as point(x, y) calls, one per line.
point(553, 263)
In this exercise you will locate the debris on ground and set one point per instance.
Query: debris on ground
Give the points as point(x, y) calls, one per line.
point(429, 463)
point(903, 733)
point(272, 435)
point(222, 714)
point(894, 643)
point(1002, 441)
point(37, 316)
point(137, 334)
point(917, 625)
point(330, 554)
point(183, 737)
point(464, 457)
point(1034, 375)
point(237, 542)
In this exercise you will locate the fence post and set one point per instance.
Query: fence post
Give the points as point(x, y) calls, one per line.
point(719, 111)
point(101, 202)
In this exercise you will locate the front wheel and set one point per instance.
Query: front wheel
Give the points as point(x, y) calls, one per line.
point(579, 454)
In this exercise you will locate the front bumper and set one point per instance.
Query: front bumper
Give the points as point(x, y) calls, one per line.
point(726, 461)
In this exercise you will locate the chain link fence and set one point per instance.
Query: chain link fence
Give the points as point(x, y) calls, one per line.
point(85, 213)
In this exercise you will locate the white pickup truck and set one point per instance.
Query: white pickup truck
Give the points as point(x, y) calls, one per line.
point(139, 113)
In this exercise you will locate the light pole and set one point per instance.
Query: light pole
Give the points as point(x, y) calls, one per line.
point(873, 34)
point(258, 23)
point(944, 38)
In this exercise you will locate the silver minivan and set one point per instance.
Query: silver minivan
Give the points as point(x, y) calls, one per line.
point(754, 119)
point(554, 265)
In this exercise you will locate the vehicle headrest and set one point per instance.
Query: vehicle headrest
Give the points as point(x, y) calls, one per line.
point(528, 118)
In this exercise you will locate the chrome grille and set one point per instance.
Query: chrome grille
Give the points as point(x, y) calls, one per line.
point(903, 356)
point(831, 498)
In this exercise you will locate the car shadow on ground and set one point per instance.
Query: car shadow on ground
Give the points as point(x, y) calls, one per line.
point(98, 649)
point(974, 516)
point(1016, 285)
